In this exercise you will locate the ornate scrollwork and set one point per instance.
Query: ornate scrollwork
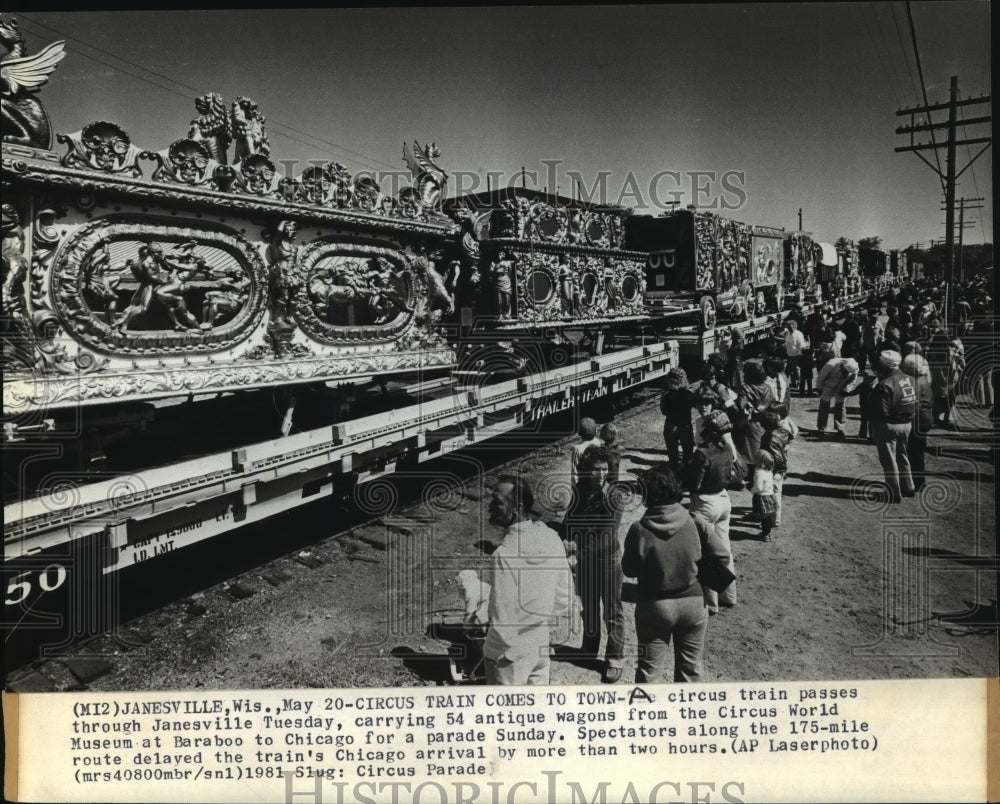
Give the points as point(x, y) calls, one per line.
point(15, 262)
point(596, 229)
point(366, 195)
point(429, 180)
point(257, 175)
point(727, 243)
point(409, 205)
point(355, 292)
point(101, 146)
point(256, 370)
point(25, 121)
point(343, 187)
point(547, 222)
point(186, 161)
point(314, 186)
point(567, 286)
point(138, 287)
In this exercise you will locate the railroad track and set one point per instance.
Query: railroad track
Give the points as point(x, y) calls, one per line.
point(153, 591)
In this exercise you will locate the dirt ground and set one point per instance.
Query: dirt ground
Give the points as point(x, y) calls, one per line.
point(851, 588)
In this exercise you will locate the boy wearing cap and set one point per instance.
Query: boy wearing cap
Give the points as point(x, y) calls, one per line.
point(891, 405)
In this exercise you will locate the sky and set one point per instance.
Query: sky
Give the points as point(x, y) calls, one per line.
point(764, 108)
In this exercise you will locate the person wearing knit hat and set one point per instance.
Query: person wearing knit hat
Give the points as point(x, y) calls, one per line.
point(890, 359)
point(892, 404)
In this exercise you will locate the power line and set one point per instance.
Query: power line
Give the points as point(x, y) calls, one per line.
point(975, 183)
point(370, 161)
point(878, 53)
point(902, 47)
point(923, 89)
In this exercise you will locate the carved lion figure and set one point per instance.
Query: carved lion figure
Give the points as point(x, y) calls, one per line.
point(248, 129)
point(212, 126)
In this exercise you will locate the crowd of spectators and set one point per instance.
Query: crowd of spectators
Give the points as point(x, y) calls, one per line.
point(729, 432)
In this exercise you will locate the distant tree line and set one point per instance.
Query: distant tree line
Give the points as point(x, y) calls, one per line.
point(865, 242)
point(975, 258)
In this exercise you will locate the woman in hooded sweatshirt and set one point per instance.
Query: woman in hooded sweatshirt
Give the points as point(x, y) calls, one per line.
point(662, 551)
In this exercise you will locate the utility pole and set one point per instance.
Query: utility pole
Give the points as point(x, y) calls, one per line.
point(951, 174)
point(963, 204)
point(800, 219)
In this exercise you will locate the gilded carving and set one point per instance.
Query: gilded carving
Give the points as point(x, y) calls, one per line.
point(101, 146)
point(212, 127)
point(282, 276)
point(248, 130)
point(257, 175)
point(357, 292)
point(440, 298)
point(367, 195)
point(15, 261)
point(473, 227)
point(186, 161)
point(386, 216)
point(343, 189)
point(85, 385)
point(314, 186)
point(552, 286)
point(502, 279)
point(25, 121)
point(164, 278)
point(429, 180)
point(160, 278)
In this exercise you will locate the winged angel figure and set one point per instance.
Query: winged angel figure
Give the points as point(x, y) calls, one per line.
point(428, 177)
point(24, 120)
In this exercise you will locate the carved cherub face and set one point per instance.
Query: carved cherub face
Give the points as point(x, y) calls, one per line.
point(316, 184)
point(258, 175)
point(106, 148)
point(189, 160)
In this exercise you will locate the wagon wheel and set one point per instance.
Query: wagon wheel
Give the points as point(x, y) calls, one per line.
point(708, 316)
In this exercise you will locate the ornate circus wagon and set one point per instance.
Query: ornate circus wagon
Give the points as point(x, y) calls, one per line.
point(709, 263)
